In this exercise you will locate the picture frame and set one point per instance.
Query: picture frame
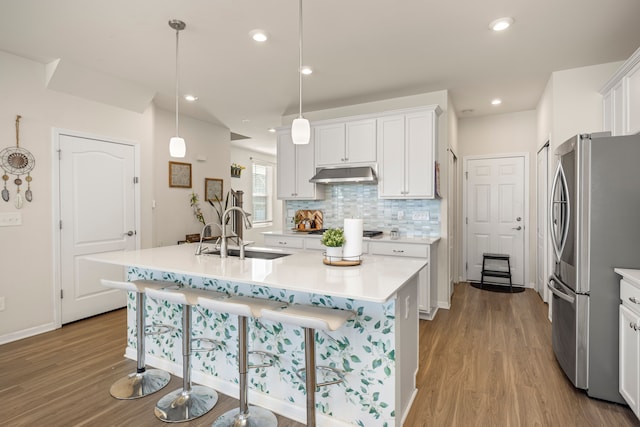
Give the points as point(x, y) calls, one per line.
point(179, 174)
point(213, 188)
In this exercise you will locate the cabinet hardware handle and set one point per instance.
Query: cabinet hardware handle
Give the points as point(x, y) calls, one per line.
point(395, 251)
point(282, 243)
point(634, 300)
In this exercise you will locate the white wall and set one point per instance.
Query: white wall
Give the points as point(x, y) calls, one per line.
point(505, 134)
point(205, 141)
point(26, 251)
point(26, 254)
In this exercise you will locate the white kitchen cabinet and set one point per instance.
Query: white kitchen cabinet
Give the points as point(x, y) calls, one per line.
point(296, 165)
point(629, 336)
point(621, 99)
point(630, 357)
point(407, 151)
point(345, 142)
point(427, 294)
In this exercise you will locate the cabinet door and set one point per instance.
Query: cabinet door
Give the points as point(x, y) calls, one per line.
point(330, 144)
point(391, 170)
point(629, 358)
point(286, 174)
point(420, 154)
point(305, 169)
point(633, 100)
point(424, 293)
point(361, 141)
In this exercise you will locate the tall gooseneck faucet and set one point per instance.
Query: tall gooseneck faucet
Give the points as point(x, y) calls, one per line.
point(247, 226)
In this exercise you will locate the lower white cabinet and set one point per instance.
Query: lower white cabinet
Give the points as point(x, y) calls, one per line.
point(280, 241)
point(629, 331)
point(427, 298)
point(630, 357)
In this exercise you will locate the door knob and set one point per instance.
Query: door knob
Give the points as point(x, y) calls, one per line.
point(130, 233)
point(517, 228)
point(519, 219)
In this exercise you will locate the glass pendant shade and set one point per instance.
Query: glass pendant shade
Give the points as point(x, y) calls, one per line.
point(300, 131)
point(177, 147)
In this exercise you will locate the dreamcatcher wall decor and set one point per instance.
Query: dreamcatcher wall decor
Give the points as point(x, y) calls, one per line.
point(19, 162)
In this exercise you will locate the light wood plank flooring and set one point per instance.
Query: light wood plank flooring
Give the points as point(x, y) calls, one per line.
point(486, 362)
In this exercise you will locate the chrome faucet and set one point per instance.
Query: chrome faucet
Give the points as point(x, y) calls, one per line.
point(199, 248)
point(247, 226)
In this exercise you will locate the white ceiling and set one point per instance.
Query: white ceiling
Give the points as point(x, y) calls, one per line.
point(361, 51)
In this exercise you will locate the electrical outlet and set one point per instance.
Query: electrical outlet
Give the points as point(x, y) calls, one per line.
point(291, 212)
point(420, 216)
point(1, 303)
point(400, 214)
point(10, 219)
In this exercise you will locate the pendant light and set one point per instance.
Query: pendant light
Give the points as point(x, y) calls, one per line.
point(300, 128)
point(177, 146)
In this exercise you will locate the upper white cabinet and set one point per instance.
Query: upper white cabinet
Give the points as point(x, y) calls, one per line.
point(345, 142)
point(296, 165)
point(407, 152)
point(621, 99)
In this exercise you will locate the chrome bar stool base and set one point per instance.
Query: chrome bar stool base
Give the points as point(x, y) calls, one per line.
point(141, 384)
point(179, 405)
point(257, 417)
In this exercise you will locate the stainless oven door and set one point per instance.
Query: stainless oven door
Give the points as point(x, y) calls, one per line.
point(569, 331)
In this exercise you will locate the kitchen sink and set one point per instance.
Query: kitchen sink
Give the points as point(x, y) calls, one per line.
point(248, 253)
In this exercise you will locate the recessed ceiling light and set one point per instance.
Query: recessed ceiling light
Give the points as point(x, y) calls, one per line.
point(272, 130)
point(246, 121)
point(191, 98)
point(501, 24)
point(496, 101)
point(259, 35)
point(306, 70)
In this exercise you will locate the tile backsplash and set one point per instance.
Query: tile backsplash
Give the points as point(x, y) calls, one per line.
point(413, 218)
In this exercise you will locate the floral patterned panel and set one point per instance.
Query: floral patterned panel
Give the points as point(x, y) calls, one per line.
point(364, 349)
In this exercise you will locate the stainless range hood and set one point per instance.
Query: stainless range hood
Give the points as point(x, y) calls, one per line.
point(345, 175)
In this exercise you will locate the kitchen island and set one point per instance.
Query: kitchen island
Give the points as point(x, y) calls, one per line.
point(377, 351)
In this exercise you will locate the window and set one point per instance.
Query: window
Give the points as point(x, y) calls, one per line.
point(262, 176)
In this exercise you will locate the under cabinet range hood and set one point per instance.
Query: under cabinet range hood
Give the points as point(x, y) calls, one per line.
point(345, 175)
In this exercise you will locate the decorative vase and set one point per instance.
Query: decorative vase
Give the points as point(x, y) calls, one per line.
point(333, 253)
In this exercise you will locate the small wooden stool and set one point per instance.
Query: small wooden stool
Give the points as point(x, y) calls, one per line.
point(496, 273)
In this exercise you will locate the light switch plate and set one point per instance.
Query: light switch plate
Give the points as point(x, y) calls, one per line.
point(10, 219)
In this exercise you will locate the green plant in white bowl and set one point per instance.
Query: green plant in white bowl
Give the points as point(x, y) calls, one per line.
point(333, 239)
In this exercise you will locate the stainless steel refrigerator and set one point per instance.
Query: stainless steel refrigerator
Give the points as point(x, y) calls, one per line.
point(595, 226)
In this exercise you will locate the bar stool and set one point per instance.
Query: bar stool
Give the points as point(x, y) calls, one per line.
point(190, 401)
point(311, 318)
point(244, 307)
point(143, 382)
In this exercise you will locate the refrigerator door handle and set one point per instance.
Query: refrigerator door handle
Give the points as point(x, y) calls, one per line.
point(558, 245)
point(568, 298)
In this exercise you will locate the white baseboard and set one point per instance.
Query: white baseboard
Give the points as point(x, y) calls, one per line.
point(26, 333)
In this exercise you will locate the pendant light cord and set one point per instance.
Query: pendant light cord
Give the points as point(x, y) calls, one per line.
point(177, 79)
point(300, 56)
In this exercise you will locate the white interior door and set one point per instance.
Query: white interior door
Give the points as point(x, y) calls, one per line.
point(495, 213)
point(97, 214)
point(542, 254)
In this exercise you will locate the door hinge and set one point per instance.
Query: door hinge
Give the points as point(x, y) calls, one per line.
point(61, 294)
point(466, 266)
point(466, 175)
point(466, 220)
point(135, 180)
point(59, 154)
point(60, 224)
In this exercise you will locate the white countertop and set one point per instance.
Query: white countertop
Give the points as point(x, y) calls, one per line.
point(384, 238)
point(377, 279)
point(629, 274)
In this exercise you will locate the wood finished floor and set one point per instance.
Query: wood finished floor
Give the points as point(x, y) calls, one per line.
point(486, 362)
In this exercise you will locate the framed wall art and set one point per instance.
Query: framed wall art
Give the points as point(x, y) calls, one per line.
point(179, 175)
point(212, 189)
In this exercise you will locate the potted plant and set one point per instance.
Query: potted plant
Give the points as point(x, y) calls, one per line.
point(220, 208)
point(333, 239)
